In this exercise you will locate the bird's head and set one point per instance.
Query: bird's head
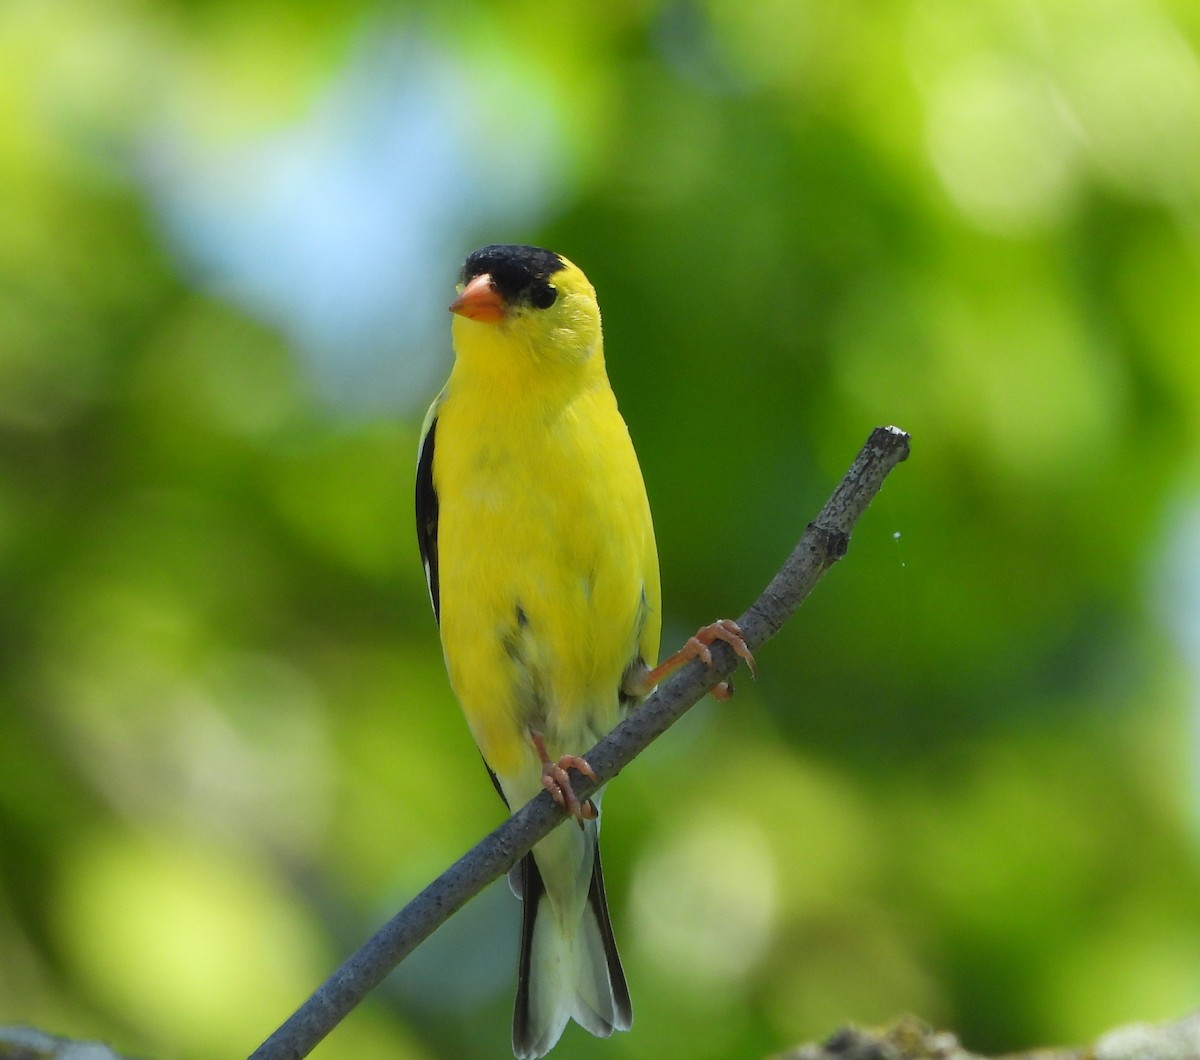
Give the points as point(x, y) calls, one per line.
point(517, 301)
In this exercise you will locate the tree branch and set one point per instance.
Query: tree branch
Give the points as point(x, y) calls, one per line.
point(910, 1039)
point(824, 542)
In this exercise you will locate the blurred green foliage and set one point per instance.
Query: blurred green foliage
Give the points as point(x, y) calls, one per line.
point(964, 784)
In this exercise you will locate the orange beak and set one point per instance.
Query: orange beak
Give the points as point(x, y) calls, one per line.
point(480, 301)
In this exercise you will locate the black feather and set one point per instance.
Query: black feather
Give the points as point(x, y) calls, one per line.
point(427, 519)
point(533, 890)
point(532, 893)
point(598, 903)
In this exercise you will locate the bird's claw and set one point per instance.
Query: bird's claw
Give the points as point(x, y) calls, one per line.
point(557, 781)
point(729, 632)
point(699, 647)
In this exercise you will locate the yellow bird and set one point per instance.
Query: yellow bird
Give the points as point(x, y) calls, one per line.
point(538, 546)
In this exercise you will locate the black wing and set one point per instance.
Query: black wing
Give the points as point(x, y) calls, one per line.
point(427, 513)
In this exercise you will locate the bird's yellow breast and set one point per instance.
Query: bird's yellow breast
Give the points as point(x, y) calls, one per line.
point(549, 574)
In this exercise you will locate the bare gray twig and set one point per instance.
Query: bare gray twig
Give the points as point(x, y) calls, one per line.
point(824, 542)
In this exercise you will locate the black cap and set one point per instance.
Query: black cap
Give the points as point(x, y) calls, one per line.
point(520, 274)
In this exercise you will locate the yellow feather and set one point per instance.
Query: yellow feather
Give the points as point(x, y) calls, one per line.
point(542, 507)
point(537, 536)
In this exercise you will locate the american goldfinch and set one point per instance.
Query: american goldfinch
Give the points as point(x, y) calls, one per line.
point(539, 550)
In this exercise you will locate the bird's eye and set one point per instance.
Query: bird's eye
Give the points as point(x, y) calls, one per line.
point(543, 295)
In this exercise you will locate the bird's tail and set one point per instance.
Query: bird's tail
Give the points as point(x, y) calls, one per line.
point(566, 971)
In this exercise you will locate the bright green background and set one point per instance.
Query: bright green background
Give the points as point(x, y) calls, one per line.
point(965, 782)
